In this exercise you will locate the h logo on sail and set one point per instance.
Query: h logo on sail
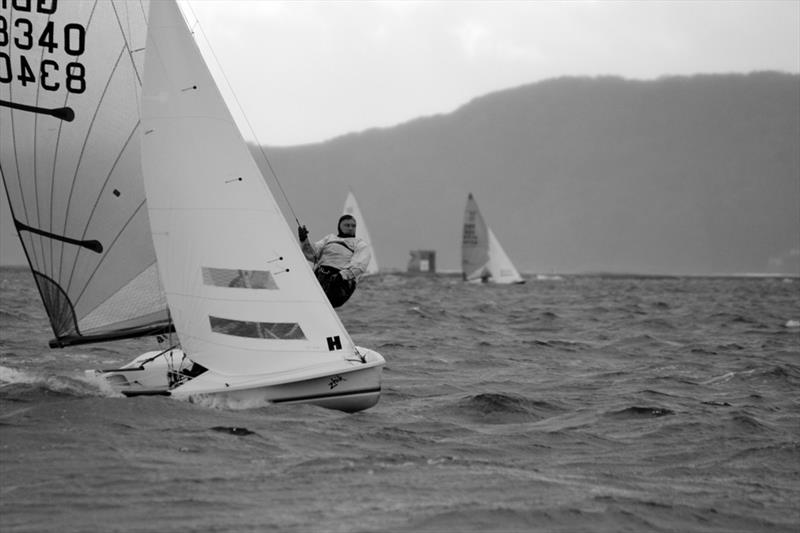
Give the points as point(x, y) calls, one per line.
point(334, 343)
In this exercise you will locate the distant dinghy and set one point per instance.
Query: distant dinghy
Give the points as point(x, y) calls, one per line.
point(351, 208)
point(482, 257)
point(142, 213)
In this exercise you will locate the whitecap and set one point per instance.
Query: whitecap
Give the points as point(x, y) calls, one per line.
point(11, 375)
point(724, 377)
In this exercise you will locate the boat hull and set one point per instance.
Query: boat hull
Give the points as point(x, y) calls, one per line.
point(350, 386)
point(350, 391)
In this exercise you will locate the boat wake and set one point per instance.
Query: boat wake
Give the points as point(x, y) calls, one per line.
point(226, 403)
point(17, 384)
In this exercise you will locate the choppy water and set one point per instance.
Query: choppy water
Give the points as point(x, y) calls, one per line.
point(587, 404)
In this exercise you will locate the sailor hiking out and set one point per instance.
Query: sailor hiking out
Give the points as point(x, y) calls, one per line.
point(339, 259)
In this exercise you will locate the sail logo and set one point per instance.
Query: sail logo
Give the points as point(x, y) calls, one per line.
point(334, 343)
point(335, 380)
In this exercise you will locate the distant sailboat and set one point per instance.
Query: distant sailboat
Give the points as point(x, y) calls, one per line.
point(142, 212)
point(482, 257)
point(351, 208)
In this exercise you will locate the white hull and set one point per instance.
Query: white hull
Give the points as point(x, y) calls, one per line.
point(348, 386)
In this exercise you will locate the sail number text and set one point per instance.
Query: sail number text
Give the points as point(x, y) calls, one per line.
point(470, 236)
point(46, 37)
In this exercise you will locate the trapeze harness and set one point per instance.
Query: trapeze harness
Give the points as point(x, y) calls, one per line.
point(337, 289)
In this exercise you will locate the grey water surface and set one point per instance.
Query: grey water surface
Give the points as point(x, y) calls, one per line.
point(589, 403)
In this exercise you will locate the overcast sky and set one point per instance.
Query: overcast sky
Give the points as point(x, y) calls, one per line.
point(304, 72)
point(308, 71)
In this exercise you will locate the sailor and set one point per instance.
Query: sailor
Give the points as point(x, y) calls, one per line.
point(339, 259)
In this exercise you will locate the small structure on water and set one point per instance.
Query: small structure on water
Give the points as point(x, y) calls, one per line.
point(422, 262)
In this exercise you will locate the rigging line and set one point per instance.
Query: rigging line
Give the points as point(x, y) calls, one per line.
point(30, 254)
point(108, 178)
point(110, 246)
point(35, 160)
point(97, 201)
point(244, 115)
point(55, 165)
point(33, 261)
point(39, 286)
point(125, 39)
point(144, 11)
point(80, 161)
point(52, 198)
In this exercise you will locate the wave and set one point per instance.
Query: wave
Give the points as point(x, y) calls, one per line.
point(10, 317)
point(716, 403)
point(775, 375)
point(560, 344)
point(600, 514)
point(237, 431)
point(477, 519)
point(656, 324)
point(724, 378)
point(784, 452)
point(19, 385)
point(499, 408)
point(641, 412)
point(746, 423)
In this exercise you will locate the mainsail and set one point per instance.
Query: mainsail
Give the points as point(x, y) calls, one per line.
point(351, 208)
point(70, 85)
point(482, 257)
point(242, 296)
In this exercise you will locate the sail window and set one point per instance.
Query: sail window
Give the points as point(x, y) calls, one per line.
point(257, 330)
point(246, 279)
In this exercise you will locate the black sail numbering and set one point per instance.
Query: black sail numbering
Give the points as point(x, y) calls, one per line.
point(70, 80)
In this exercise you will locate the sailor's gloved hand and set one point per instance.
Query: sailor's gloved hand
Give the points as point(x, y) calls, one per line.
point(302, 232)
point(346, 274)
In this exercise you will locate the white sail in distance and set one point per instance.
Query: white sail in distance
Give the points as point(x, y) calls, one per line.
point(482, 257)
point(351, 208)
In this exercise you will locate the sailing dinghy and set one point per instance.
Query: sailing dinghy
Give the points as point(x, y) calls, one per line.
point(351, 208)
point(142, 213)
point(482, 257)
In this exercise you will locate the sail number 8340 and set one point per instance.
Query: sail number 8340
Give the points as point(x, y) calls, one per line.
point(48, 73)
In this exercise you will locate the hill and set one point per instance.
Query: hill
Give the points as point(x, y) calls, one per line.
point(680, 175)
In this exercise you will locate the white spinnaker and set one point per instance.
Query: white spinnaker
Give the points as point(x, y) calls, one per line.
point(351, 208)
point(77, 179)
point(210, 208)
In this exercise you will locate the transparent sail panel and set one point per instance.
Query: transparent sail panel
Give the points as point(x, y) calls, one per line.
point(257, 330)
point(70, 85)
point(136, 299)
point(244, 279)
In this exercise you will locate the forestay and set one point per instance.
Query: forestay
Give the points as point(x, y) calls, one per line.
point(243, 298)
point(70, 82)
